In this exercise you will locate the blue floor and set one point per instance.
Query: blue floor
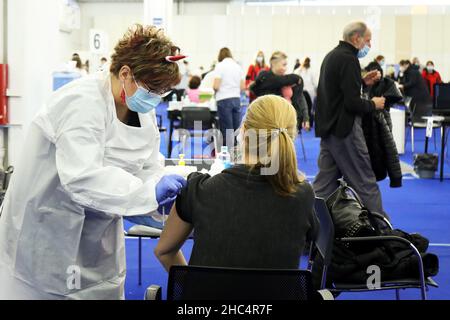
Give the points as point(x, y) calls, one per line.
point(419, 206)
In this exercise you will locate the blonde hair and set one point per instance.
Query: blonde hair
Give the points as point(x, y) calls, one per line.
point(277, 56)
point(268, 115)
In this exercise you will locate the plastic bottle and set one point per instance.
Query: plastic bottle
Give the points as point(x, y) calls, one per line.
point(225, 157)
point(182, 162)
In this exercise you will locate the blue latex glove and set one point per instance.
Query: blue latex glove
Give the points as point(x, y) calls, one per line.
point(167, 191)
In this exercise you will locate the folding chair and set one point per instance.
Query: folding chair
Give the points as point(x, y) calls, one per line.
point(207, 283)
point(324, 246)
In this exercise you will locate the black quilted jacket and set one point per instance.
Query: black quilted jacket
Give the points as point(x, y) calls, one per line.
point(377, 127)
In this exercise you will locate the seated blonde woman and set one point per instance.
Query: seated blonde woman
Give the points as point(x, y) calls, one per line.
point(259, 213)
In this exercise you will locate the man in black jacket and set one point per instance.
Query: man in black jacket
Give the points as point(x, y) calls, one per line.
point(415, 86)
point(343, 150)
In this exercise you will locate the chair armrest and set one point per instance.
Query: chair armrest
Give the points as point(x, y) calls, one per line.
point(383, 218)
point(153, 293)
point(377, 238)
point(392, 238)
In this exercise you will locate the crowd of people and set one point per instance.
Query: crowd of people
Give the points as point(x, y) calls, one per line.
point(65, 206)
point(271, 76)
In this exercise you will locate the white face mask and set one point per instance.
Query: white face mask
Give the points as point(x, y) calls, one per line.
point(259, 60)
point(430, 68)
point(402, 69)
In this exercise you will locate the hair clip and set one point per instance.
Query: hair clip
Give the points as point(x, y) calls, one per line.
point(174, 59)
point(283, 130)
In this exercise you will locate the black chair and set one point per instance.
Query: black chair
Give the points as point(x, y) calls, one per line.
point(324, 246)
point(416, 112)
point(207, 283)
point(190, 116)
point(160, 126)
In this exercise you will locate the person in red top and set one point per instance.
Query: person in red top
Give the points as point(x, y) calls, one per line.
point(431, 76)
point(254, 70)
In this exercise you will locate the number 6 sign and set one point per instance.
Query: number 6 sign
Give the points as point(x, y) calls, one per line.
point(98, 41)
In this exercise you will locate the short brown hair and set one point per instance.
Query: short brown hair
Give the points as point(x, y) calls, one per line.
point(195, 82)
point(224, 53)
point(144, 49)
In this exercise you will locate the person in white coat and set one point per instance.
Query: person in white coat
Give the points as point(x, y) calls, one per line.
point(91, 157)
point(310, 86)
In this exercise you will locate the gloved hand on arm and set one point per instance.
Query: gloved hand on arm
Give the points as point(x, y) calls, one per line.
point(167, 190)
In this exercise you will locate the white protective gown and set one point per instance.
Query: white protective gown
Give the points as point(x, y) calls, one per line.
point(80, 172)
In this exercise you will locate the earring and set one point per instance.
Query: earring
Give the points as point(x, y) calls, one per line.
point(123, 96)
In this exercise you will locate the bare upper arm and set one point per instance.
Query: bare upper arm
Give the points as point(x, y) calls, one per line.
point(174, 235)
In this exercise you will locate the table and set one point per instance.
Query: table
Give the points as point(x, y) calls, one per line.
point(174, 113)
point(199, 163)
point(445, 122)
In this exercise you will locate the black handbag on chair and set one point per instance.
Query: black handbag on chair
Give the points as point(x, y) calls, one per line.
point(350, 217)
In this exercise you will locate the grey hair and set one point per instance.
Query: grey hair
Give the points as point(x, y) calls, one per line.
point(353, 28)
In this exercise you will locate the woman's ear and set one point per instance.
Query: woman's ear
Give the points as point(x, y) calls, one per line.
point(124, 73)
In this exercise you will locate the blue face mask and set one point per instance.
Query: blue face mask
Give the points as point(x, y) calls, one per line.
point(142, 101)
point(363, 52)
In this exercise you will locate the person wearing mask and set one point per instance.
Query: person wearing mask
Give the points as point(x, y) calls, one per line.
point(416, 64)
point(381, 61)
point(415, 86)
point(91, 157)
point(259, 217)
point(343, 149)
point(290, 86)
point(431, 76)
point(310, 85)
point(253, 71)
point(103, 64)
point(229, 82)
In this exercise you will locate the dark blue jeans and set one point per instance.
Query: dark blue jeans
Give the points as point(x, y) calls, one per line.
point(229, 111)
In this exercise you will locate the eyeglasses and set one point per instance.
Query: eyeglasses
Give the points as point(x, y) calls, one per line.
point(160, 94)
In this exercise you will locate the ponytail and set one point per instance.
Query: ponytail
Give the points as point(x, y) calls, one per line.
point(276, 116)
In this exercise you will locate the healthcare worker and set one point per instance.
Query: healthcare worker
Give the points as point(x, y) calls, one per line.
point(91, 157)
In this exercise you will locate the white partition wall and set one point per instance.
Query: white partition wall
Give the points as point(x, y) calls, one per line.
point(36, 47)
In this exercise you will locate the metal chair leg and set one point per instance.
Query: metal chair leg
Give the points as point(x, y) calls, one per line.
point(434, 136)
point(412, 139)
point(324, 277)
point(303, 146)
point(140, 262)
